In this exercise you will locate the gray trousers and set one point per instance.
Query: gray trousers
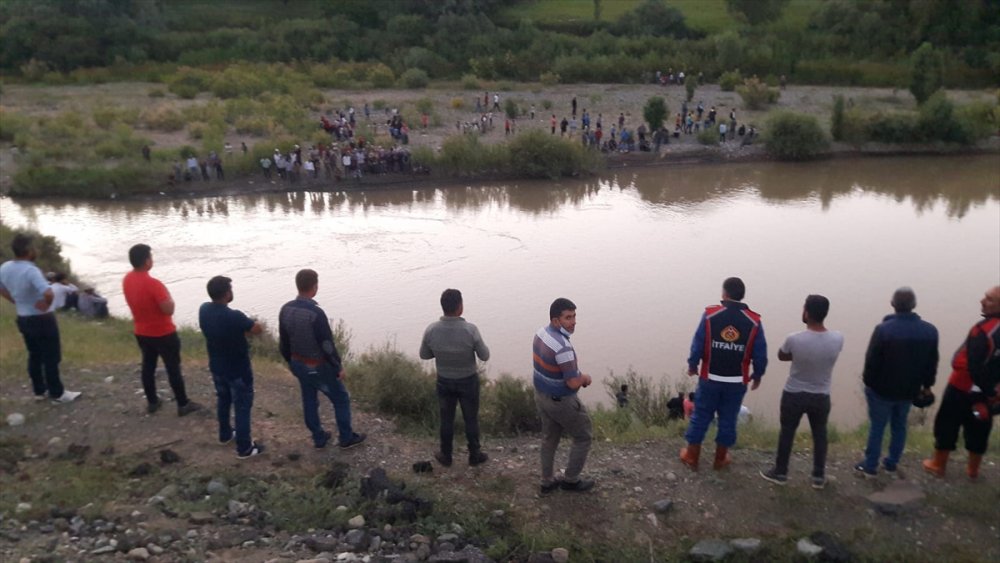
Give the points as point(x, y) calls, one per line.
point(567, 415)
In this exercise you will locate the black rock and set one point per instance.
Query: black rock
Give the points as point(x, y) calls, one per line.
point(423, 467)
point(141, 470)
point(169, 456)
point(294, 456)
point(335, 476)
point(833, 549)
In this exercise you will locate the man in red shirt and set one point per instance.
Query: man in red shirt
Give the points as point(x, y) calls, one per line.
point(152, 308)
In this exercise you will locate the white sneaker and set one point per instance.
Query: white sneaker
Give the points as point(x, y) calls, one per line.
point(67, 397)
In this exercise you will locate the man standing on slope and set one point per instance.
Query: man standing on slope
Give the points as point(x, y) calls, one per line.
point(729, 338)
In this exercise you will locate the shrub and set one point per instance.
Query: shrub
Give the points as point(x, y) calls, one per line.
point(163, 118)
point(690, 83)
point(536, 154)
point(895, 127)
point(157, 93)
point(654, 112)
point(381, 76)
point(837, 118)
point(470, 82)
point(708, 136)
point(95, 181)
point(509, 407)
point(424, 105)
point(13, 125)
point(547, 104)
point(549, 78)
point(980, 119)
point(237, 82)
point(794, 136)
point(379, 104)
point(927, 72)
point(414, 78)
point(457, 103)
point(510, 108)
point(506, 86)
point(729, 80)
point(188, 82)
point(757, 94)
point(413, 400)
point(647, 400)
point(937, 121)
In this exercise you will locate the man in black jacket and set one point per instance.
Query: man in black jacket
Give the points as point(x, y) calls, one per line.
point(902, 359)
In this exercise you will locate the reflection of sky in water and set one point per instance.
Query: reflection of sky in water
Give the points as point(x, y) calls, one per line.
point(641, 256)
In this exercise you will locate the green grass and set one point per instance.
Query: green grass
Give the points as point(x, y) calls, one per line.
point(707, 16)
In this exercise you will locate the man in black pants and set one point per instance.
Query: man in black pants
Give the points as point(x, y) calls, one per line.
point(152, 308)
point(454, 344)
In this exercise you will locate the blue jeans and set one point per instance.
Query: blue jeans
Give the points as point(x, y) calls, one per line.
point(880, 412)
point(715, 397)
point(323, 379)
point(235, 394)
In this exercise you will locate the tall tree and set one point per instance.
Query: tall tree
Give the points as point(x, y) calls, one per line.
point(756, 12)
point(927, 72)
point(654, 112)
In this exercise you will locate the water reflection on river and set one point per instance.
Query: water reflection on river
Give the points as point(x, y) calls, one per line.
point(640, 252)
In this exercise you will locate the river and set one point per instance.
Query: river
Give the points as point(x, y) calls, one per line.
point(641, 252)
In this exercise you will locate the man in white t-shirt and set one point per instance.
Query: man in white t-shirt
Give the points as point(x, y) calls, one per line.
point(63, 293)
point(813, 353)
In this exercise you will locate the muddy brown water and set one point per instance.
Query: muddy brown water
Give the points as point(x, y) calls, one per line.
point(640, 252)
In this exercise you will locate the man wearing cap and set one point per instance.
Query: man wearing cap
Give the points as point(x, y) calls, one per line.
point(225, 333)
point(728, 341)
point(972, 396)
point(22, 283)
point(901, 361)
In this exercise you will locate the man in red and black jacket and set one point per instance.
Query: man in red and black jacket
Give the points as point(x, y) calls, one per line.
point(972, 392)
point(728, 341)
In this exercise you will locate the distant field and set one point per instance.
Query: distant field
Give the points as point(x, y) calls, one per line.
point(709, 16)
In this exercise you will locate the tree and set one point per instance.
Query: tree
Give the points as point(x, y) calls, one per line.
point(756, 12)
point(597, 10)
point(794, 136)
point(837, 119)
point(652, 17)
point(654, 112)
point(927, 72)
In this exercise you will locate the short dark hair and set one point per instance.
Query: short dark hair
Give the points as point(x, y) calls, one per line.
point(60, 276)
point(817, 307)
point(138, 254)
point(218, 287)
point(560, 305)
point(21, 245)
point(451, 300)
point(904, 300)
point(734, 288)
point(306, 279)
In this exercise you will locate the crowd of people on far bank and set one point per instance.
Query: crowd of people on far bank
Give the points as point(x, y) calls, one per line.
point(728, 354)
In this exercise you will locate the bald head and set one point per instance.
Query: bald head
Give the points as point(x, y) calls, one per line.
point(904, 300)
point(991, 302)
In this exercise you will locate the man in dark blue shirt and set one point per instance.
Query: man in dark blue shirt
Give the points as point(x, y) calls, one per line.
point(306, 343)
point(225, 332)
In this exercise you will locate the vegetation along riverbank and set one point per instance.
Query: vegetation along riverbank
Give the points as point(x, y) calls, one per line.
point(103, 478)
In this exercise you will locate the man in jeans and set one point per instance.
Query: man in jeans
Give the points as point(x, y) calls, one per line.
point(728, 340)
point(152, 309)
point(22, 283)
point(901, 360)
point(225, 333)
point(813, 353)
point(556, 380)
point(306, 343)
point(454, 344)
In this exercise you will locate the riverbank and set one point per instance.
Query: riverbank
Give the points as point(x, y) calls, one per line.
point(91, 478)
point(447, 107)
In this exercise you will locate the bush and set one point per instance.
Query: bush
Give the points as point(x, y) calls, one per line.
point(757, 94)
point(794, 136)
point(424, 105)
point(393, 384)
point(13, 125)
point(414, 78)
point(654, 112)
point(937, 121)
point(94, 181)
point(980, 119)
point(927, 74)
point(549, 78)
point(729, 80)
point(895, 127)
point(708, 136)
point(157, 93)
point(648, 401)
point(457, 103)
point(163, 118)
point(509, 407)
point(547, 104)
point(381, 76)
point(536, 154)
point(188, 82)
point(837, 118)
point(470, 82)
point(379, 104)
point(690, 83)
point(510, 108)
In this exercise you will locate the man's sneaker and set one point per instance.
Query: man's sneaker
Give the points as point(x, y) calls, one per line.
point(153, 407)
point(860, 469)
point(255, 449)
point(819, 483)
point(773, 476)
point(321, 443)
point(355, 440)
point(477, 458)
point(232, 436)
point(547, 488)
point(188, 408)
point(579, 486)
point(444, 460)
point(40, 398)
point(67, 397)
point(892, 471)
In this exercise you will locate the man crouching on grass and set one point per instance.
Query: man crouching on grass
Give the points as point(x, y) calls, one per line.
point(225, 332)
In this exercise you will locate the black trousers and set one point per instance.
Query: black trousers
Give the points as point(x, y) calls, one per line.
point(169, 348)
point(454, 392)
point(955, 413)
point(816, 407)
point(41, 338)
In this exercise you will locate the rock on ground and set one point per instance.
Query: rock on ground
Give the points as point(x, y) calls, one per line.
point(710, 550)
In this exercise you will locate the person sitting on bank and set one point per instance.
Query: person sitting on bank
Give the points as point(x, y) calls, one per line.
point(622, 396)
point(64, 294)
point(91, 304)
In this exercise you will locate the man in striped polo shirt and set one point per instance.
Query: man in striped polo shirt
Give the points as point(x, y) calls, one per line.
point(557, 380)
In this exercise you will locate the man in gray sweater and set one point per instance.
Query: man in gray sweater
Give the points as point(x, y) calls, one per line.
point(454, 344)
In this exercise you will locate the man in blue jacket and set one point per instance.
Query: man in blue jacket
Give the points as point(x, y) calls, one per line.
point(729, 339)
point(901, 360)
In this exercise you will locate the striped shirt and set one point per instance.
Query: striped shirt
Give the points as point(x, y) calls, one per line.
point(554, 361)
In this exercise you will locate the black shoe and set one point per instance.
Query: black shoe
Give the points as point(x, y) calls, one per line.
point(476, 458)
point(255, 449)
point(321, 443)
point(547, 488)
point(355, 440)
point(444, 460)
point(232, 436)
point(774, 477)
point(153, 407)
point(188, 408)
point(578, 486)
